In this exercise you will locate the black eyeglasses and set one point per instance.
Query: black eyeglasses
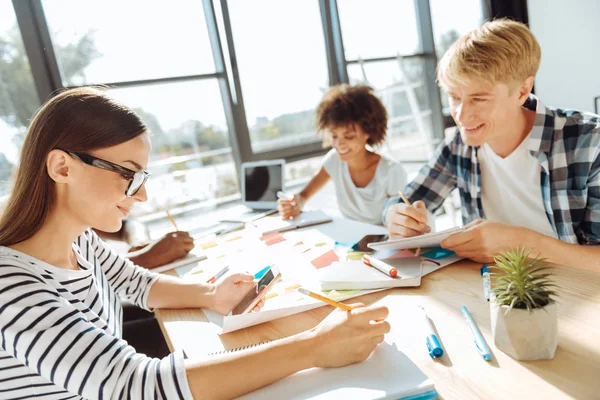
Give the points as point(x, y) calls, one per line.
point(136, 178)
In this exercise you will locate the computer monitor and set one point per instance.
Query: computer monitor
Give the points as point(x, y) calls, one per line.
point(261, 180)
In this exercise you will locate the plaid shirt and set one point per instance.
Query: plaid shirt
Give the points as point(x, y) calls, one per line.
point(567, 145)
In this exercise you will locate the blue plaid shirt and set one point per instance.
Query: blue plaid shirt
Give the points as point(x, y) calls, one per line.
point(567, 145)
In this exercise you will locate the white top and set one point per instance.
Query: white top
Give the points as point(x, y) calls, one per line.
point(61, 329)
point(511, 190)
point(364, 204)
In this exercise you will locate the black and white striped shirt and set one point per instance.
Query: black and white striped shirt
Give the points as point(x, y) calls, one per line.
point(61, 329)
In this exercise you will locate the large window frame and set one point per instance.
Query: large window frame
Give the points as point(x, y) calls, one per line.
point(46, 73)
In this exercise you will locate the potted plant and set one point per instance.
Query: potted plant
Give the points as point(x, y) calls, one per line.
point(523, 310)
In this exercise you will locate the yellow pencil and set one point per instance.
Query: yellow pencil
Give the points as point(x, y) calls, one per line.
point(404, 198)
point(324, 299)
point(172, 220)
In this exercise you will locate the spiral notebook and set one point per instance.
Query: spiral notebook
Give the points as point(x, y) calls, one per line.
point(387, 374)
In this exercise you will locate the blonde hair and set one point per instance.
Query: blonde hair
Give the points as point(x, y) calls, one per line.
point(500, 51)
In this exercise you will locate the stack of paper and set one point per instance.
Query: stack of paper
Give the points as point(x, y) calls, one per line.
point(351, 275)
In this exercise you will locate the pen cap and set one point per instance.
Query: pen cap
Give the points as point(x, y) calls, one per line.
point(434, 347)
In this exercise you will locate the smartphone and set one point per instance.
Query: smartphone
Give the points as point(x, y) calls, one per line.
point(361, 245)
point(256, 293)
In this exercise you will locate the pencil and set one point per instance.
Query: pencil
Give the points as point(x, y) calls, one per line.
point(404, 198)
point(324, 299)
point(172, 220)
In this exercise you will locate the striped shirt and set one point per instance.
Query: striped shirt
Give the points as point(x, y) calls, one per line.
point(566, 143)
point(61, 329)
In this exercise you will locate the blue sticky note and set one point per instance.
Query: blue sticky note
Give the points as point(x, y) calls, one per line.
point(260, 273)
point(436, 254)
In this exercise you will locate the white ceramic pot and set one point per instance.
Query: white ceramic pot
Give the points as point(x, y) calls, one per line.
point(525, 335)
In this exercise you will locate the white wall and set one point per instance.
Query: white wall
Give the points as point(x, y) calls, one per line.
point(569, 34)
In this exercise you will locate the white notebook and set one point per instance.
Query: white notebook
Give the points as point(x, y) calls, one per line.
point(423, 241)
point(277, 224)
point(352, 275)
point(386, 374)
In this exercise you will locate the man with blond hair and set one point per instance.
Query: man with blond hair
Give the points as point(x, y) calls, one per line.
point(528, 175)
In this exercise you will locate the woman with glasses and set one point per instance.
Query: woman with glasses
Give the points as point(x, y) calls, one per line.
point(82, 167)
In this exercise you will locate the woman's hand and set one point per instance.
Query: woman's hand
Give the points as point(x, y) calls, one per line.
point(170, 247)
point(228, 292)
point(347, 337)
point(290, 208)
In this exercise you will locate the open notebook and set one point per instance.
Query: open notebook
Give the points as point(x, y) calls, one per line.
point(274, 224)
point(386, 374)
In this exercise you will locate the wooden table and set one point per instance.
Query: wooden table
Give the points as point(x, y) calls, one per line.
point(461, 373)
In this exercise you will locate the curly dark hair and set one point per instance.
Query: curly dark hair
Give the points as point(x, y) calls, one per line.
point(346, 105)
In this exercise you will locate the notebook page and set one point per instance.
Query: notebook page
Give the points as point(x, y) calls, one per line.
point(386, 374)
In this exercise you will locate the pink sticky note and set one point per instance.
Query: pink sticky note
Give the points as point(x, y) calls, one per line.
point(403, 254)
point(325, 259)
point(272, 239)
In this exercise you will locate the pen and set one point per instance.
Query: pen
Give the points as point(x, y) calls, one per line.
point(380, 265)
point(485, 274)
point(433, 344)
point(324, 299)
point(172, 220)
point(482, 346)
point(218, 275)
point(404, 198)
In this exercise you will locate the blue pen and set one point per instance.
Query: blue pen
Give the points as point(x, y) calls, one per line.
point(482, 346)
point(433, 344)
point(485, 274)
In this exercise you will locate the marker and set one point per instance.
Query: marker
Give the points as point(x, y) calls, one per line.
point(380, 265)
point(485, 274)
point(482, 346)
point(324, 299)
point(218, 275)
point(433, 344)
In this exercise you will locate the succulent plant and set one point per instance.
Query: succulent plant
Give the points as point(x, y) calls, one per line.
point(522, 282)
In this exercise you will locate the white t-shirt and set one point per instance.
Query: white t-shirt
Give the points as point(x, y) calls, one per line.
point(511, 190)
point(364, 204)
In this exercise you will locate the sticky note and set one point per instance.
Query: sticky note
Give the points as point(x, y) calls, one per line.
point(325, 259)
point(438, 253)
point(354, 255)
point(272, 238)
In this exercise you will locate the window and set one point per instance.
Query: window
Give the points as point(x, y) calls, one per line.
point(159, 60)
point(283, 69)
point(115, 41)
point(401, 86)
point(382, 48)
point(191, 158)
point(380, 28)
point(18, 99)
point(449, 25)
